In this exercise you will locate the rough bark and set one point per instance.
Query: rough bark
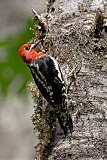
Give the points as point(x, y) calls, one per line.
point(76, 36)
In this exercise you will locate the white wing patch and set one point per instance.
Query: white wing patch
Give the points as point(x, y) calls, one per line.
point(57, 68)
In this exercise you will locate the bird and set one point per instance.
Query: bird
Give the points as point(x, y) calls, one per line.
point(49, 79)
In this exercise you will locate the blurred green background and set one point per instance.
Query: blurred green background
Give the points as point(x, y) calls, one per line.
point(14, 73)
point(17, 139)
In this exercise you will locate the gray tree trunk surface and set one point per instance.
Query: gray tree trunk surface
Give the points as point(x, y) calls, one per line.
point(76, 36)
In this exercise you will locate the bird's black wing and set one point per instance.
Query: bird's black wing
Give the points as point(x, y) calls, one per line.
point(48, 77)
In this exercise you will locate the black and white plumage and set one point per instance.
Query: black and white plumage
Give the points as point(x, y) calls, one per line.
point(49, 79)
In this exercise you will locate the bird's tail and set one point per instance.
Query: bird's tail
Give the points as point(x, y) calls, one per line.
point(64, 119)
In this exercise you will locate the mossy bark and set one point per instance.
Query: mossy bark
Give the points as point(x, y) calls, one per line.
point(76, 36)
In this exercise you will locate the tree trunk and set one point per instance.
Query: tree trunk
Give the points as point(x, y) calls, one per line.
point(76, 36)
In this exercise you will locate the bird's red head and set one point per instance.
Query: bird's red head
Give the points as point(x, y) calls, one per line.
point(28, 53)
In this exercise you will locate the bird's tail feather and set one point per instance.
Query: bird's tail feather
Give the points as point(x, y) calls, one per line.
point(64, 119)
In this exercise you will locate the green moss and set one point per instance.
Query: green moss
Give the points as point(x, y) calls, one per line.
point(44, 122)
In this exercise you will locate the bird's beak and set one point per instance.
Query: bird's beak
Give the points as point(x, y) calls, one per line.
point(35, 44)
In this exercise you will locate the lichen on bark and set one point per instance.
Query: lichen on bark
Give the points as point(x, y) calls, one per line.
point(76, 34)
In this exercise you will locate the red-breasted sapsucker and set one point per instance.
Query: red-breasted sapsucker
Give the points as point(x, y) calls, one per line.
point(49, 79)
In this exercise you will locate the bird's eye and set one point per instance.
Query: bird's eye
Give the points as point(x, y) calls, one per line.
point(27, 48)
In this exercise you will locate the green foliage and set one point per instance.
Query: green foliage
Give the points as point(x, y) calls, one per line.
point(14, 73)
